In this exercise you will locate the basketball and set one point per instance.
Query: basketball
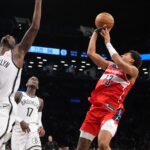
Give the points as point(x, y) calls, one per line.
point(104, 18)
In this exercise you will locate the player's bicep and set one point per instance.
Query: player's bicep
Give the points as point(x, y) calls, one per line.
point(41, 105)
point(27, 40)
point(100, 61)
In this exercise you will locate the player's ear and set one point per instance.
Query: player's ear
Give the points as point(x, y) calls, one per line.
point(26, 84)
point(132, 60)
point(37, 87)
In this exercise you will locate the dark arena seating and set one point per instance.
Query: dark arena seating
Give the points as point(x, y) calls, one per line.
point(67, 76)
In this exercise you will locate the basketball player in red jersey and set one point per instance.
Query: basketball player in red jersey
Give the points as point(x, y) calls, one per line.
point(108, 96)
point(11, 62)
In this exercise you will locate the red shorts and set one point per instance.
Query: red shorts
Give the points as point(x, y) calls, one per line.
point(97, 116)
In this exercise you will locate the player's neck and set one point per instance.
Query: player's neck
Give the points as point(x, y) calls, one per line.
point(3, 49)
point(31, 92)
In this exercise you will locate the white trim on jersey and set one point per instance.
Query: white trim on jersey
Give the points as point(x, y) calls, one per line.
point(116, 79)
point(40, 119)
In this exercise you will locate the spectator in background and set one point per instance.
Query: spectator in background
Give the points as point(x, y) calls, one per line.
point(51, 144)
point(66, 148)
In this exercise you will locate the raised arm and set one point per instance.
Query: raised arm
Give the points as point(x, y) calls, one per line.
point(31, 33)
point(96, 58)
point(127, 68)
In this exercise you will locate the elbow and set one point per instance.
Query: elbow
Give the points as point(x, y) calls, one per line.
point(89, 53)
point(35, 27)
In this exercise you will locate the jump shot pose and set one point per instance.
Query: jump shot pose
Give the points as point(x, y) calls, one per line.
point(109, 94)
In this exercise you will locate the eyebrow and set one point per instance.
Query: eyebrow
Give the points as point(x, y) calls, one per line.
point(35, 78)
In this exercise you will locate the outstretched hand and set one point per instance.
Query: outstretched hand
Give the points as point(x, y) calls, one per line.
point(106, 35)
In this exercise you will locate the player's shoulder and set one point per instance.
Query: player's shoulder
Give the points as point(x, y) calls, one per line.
point(110, 63)
point(41, 103)
point(19, 93)
point(135, 72)
point(18, 96)
point(135, 68)
point(16, 49)
point(40, 99)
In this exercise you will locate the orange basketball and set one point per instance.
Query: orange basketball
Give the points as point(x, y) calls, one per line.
point(104, 18)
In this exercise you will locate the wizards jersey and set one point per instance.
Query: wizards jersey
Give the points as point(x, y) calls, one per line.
point(112, 87)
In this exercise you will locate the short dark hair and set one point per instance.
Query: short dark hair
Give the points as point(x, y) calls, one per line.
point(137, 58)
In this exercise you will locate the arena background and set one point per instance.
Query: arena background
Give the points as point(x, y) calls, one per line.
point(67, 76)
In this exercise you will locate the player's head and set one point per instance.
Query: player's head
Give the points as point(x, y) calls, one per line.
point(33, 82)
point(50, 138)
point(133, 57)
point(8, 41)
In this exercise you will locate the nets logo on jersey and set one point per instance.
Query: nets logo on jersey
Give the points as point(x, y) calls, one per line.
point(4, 63)
point(26, 101)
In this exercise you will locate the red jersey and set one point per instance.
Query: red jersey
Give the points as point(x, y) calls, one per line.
point(112, 87)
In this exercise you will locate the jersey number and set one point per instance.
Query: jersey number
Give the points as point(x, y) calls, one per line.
point(108, 80)
point(29, 111)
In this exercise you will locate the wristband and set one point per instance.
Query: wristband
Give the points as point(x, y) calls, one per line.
point(98, 30)
point(111, 50)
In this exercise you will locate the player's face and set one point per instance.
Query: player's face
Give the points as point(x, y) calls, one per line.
point(8, 40)
point(33, 82)
point(50, 138)
point(127, 57)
